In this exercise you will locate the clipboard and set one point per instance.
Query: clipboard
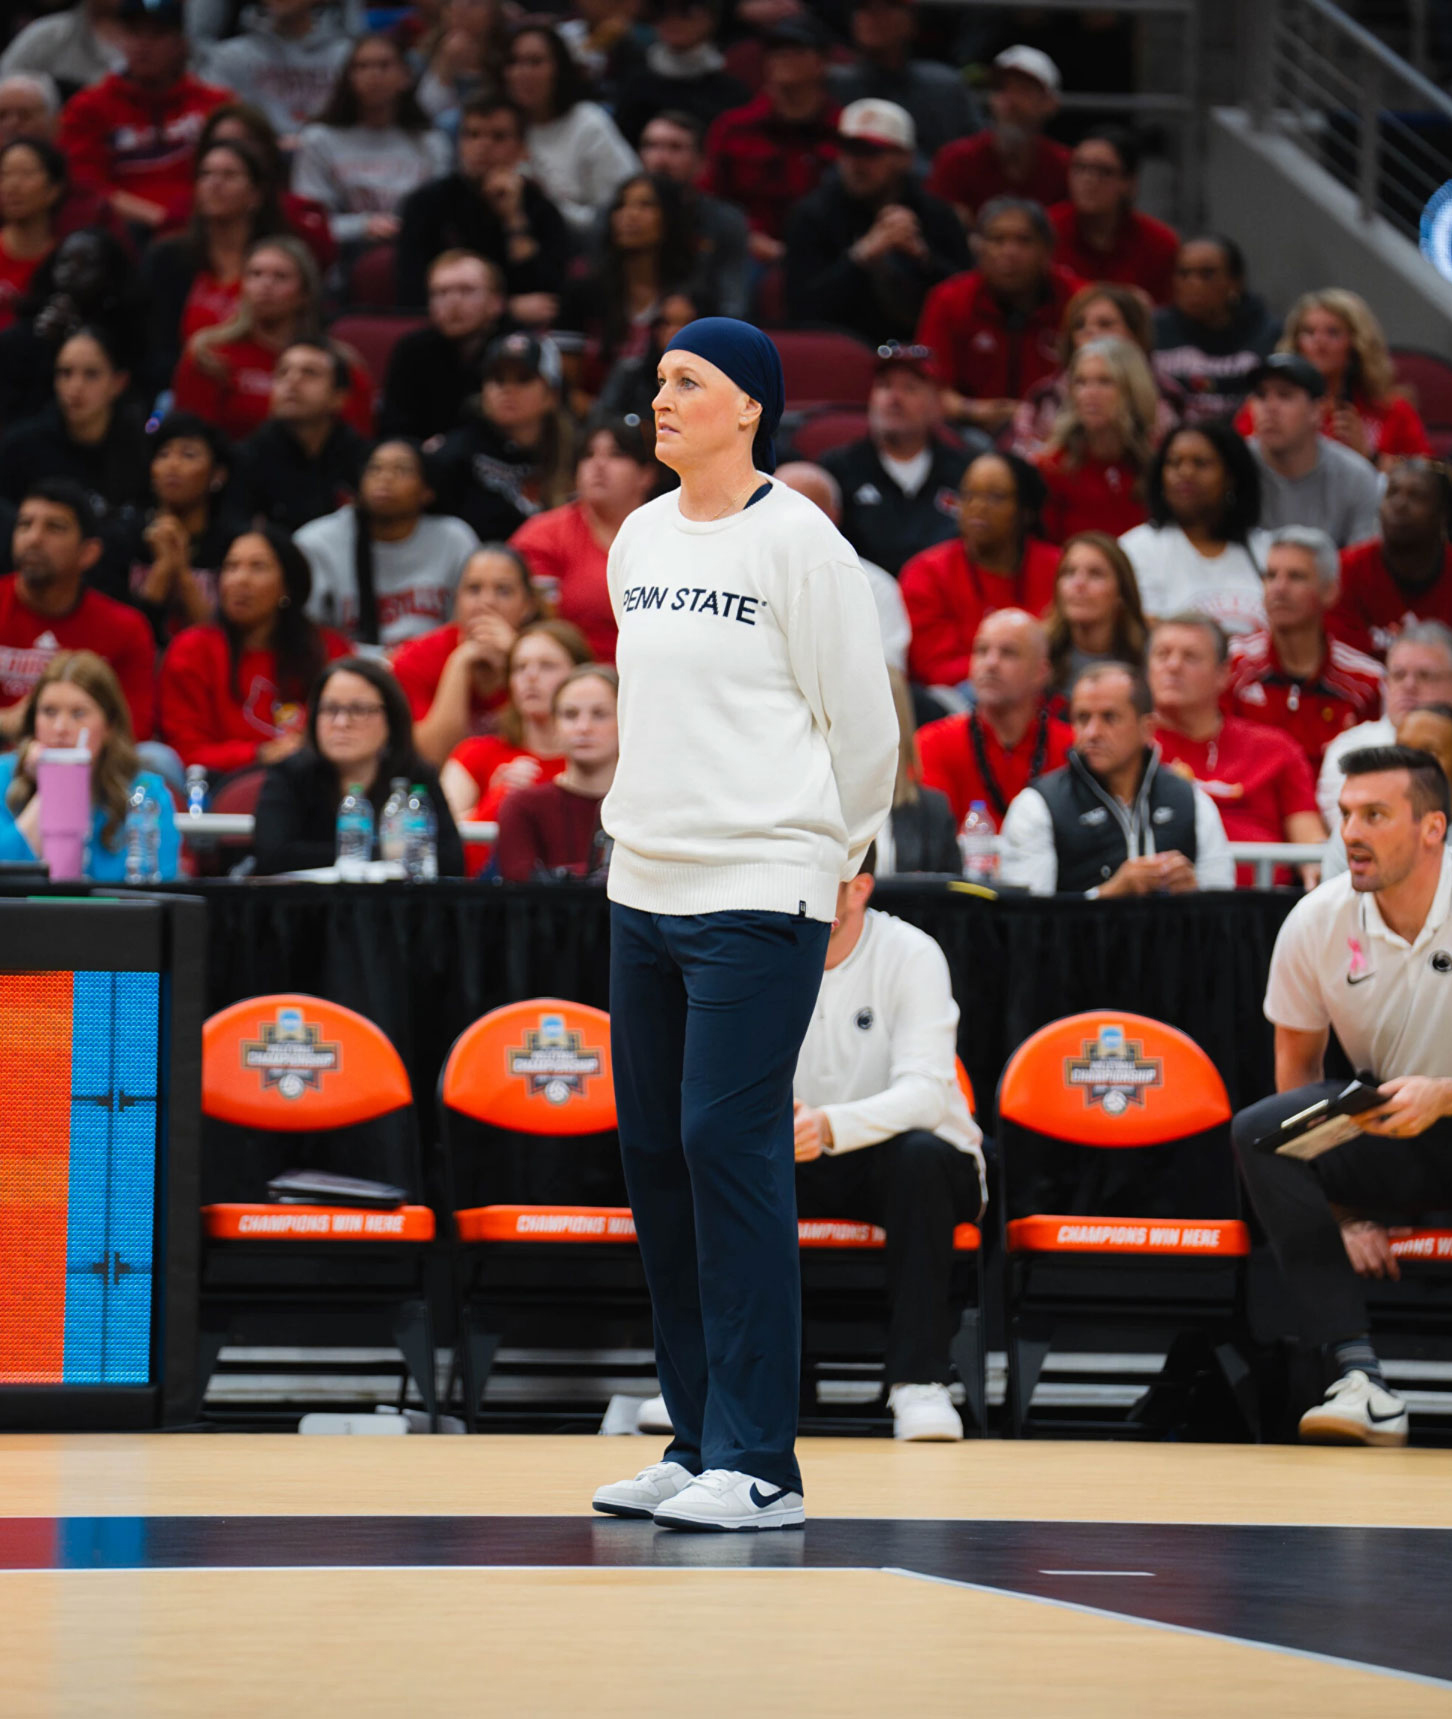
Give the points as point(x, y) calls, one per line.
point(1327, 1123)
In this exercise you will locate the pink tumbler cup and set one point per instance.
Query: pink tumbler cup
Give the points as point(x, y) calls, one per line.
point(63, 779)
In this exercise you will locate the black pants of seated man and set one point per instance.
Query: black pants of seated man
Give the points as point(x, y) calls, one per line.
point(1376, 1176)
point(917, 1187)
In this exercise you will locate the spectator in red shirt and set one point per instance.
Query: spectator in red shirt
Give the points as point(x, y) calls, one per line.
point(30, 107)
point(225, 373)
point(132, 135)
point(1008, 739)
point(995, 329)
point(1012, 158)
point(1406, 573)
point(1293, 675)
point(1258, 777)
point(234, 694)
point(32, 188)
point(567, 548)
point(1102, 445)
point(1338, 331)
point(454, 678)
point(482, 771)
point(46, 606)
point(768, 155)
point(995, 562)
point(1096, 615)
point(552, 829)
point(1101, 235)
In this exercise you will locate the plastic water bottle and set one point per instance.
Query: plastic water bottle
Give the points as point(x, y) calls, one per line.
point(143, 836)
point(355, 832)
point(391, 840)
point(198, 794)
point(978, 844)
point(420, 836)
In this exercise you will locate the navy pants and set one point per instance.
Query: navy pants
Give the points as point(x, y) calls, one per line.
point(707, 1015)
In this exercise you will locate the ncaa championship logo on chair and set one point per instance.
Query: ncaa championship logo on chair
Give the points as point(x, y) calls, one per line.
point(538, 1067)
point(291, 1054)
point(1113, 1071)
point(553, 1061)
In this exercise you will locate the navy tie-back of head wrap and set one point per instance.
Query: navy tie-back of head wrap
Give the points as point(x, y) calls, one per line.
point(753, 363)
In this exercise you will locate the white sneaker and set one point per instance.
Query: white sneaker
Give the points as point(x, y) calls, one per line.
point(924, 1412)
point(1356, 1411)
point(653, 1417)
point(644, 1495)
point(724, 1499)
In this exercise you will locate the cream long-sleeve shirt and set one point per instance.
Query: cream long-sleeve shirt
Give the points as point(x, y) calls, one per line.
point(879, 1056)
point(758, 740)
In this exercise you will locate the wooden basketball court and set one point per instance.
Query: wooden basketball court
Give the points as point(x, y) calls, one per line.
point(183, 1575)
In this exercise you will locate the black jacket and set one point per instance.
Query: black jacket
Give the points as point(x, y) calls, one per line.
point(297, 815)
point(431, 379)
point(279, 480)
point(1094, 834)
point(448, 214)
point(878, 520)
point(482, 476)
point(115, 472)
point(924, 835)
point(878, 301)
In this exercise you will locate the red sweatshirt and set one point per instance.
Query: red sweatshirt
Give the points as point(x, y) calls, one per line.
point(114, 631)
point(1094, 495)
point(118, 137)
point(947, 597)
point(201, 716)
point(984, 352)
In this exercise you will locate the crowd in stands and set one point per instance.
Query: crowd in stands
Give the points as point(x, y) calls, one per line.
point(1124, 525)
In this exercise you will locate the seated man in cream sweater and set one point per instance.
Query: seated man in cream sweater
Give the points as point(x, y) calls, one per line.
point(883, 1133)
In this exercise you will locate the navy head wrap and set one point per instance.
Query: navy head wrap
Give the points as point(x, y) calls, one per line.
point(742, 352)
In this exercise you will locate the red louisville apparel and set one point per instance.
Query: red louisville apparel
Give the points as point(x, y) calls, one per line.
point(767, 164)
point(418, 667)
point(117, 136)
point(481, 758)
point(970, 172)
point(236, 400)
point(1092, 495)
point(985, 352)
point(1373, 608)
point(1345, 690)
point(569, 566)
point(1257, 777)
point(208, 303)
point(217, 719)
point(16, 274)
point(947, 595)
point(1143, 253)
point(964, 759)
point(114, 631)
point(547, 828)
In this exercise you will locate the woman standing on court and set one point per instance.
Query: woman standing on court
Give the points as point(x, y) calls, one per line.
point(758, 746)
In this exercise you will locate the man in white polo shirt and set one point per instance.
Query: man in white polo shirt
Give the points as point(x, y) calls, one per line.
point(883, 1133)
point(1369, 957)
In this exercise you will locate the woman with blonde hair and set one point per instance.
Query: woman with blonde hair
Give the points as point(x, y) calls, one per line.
point(1096, 615)
point(79, 699)
point(225, 373)
point(1104, 310)
point(1338, 332)
point(1102, 444)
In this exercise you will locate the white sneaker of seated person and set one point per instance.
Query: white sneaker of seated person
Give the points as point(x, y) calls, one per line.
point(1356, 1410)
point(643, 1496)
point(924, 1413)
point(724, 1499)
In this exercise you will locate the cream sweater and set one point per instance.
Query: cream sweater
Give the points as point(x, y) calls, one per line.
point(758, 740)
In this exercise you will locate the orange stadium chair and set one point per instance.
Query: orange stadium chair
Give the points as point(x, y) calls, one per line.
point(537, 1072)
point(291, 1081)
point(823, 368)
point(1121, 1200)
point(843, 1306)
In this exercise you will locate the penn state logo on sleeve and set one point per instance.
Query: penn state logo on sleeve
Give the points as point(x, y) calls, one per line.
point(863, 1020)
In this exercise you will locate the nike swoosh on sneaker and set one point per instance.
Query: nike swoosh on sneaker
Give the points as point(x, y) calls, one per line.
point(762, 1499)
point(1377, 1419)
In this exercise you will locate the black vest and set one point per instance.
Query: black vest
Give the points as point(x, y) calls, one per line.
point(1094, 834)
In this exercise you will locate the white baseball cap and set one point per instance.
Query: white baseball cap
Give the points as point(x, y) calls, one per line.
point(881, 122)
point(1032, 63)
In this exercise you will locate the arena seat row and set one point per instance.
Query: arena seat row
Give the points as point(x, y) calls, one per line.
point(1101, 1117)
